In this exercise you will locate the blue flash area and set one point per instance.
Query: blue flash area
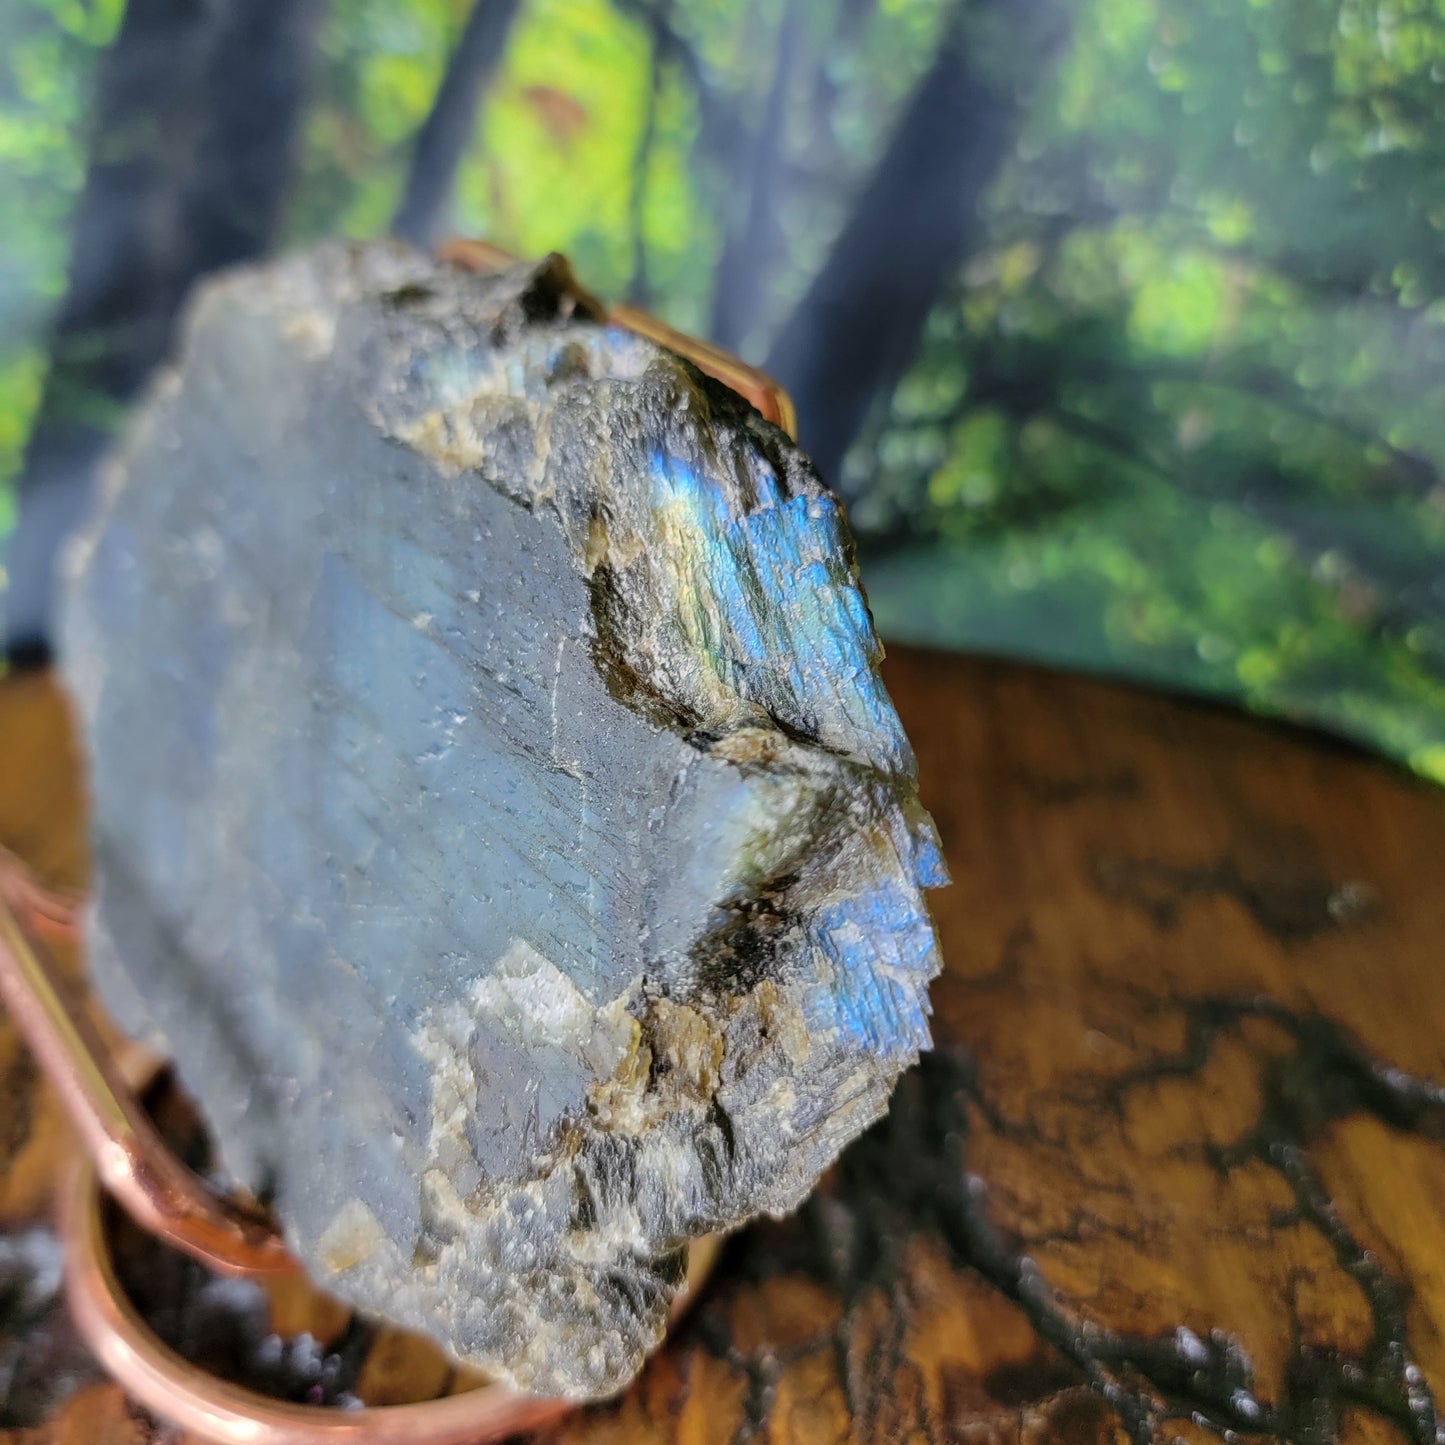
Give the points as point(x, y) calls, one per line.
point(878, 955)
point(916, 839)
point(771, 605)
point(925, 857)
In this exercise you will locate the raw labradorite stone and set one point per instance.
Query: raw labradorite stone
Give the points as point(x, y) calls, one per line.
point(498, 815)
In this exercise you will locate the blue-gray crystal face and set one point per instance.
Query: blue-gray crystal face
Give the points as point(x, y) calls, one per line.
point(498, 814)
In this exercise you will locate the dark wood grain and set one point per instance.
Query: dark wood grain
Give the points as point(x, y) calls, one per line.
point(1175, 1167)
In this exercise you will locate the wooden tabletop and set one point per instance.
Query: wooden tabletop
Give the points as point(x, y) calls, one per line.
point(1176, 1165)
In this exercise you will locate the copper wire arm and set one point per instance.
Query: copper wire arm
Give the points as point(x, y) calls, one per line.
point(771, 401)
point(133, 1161)
point(45, 911)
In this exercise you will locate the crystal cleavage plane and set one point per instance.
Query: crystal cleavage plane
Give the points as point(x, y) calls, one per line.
point(498, 814)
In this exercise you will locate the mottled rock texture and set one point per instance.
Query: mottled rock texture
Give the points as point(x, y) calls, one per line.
point(498, 814)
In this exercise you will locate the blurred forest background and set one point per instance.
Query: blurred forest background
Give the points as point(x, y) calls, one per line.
point(1120, 324)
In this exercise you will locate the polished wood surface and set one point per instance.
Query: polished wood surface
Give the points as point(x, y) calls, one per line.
point(1176, 1167)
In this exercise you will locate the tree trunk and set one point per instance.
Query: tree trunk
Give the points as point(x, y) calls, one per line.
point(754, 237)
point(915, 220)
point(447, 131)
point(194, 115)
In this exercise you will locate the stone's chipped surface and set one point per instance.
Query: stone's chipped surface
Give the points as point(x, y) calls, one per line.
point(498, 813)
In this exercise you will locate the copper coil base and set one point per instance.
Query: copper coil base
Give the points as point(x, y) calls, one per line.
point(124, 1155)
point(173, 1388)
point(176, 1390)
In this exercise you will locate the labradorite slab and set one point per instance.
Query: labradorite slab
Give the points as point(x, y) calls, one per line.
point(498, 815)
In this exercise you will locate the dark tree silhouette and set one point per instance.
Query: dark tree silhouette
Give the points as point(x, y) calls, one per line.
point(639, 288)
point(755, 236)
point(717, 120)
point(448, 129)
point(194, 114)
point(915, 220)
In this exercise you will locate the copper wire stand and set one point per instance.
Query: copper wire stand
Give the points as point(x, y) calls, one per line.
point(123, 1154)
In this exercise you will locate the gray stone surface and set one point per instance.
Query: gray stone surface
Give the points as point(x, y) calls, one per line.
point(498, 814)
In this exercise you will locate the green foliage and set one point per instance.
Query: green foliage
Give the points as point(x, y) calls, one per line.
point(1182, 413)
point(47, 54)
point(1201, 433)
point(572, 110)
point(381, 63)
